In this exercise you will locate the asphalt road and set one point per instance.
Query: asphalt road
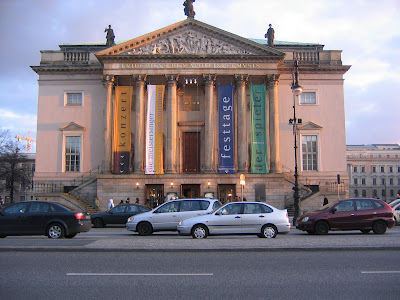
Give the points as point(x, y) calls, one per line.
point(200, 275)
point(119, 239)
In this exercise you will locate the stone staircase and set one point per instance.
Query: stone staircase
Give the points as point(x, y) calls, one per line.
point(87, 207)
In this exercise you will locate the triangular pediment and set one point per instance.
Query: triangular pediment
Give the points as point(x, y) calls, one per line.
point(72, 126)
point(190, 37)
point(309, 126)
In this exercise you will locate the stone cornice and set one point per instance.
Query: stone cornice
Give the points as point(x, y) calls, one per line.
point(98, 69)
point(312, 69)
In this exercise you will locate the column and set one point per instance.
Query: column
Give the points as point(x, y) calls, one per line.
point(108, 82)
point(209, 138)
point(139, 136)
point(241, 122)
point(172, 117)
point(275, 160)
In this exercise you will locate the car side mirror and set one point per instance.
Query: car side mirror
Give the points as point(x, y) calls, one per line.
point(334, 210)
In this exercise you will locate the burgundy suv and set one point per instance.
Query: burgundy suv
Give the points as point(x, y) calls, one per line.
point(349, 214)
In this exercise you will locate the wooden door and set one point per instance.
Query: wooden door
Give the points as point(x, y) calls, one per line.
point(191, 152)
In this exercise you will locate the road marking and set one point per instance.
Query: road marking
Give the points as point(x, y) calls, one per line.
point(138, 274)
point(380, 272)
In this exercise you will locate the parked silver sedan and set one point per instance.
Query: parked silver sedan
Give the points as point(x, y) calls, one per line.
point(167, 216)
point(257, 218)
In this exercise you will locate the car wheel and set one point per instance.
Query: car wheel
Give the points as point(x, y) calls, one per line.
point(145, 228)
point(98, 223)
point(310, 231)
point(365, 231)
point(269, 231)
point(321, 228)
point(379, 227)
point(55, 231)
point(70, 236)
point(199, 232)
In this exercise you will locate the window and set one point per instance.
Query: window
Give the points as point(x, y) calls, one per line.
point(363, 181)
point(382, 169)
point(355, 193)
point(169, 207)
point(18, 208)
point(74, 98)
point(308, 98)
point(373, 181)
point(391, 181)
point(362, 169)
point(345, 206)
point(383, 181)
point(309, 151)
point(375, 193)
point(373, 169)
point(232, 209)
point(364, 204)
point(355, 169)
point(355, 181)
point(364, 193)
point(390, 169)
point(383, 193)
point(398, 169)
point(72, 153)
point(391, 193)
point(193, 205)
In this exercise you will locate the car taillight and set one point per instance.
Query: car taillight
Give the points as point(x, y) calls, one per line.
point(79, 216)
point(391, 208)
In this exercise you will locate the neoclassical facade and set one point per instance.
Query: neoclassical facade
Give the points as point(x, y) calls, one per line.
point(184, 111)
point(374, 171)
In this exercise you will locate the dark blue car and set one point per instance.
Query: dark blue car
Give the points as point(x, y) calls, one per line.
point(42, 218)
point(118, 215)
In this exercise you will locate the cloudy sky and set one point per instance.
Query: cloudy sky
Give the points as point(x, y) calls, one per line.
point(368, 32)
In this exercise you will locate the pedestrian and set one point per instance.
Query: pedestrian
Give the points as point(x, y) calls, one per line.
point(137, 201)
point(147, 203)
point(1, 203)
point(258, 199)
point(121, 202)
point(128, 200)
point(244, 199)
point(110, 204)
point(325, 201)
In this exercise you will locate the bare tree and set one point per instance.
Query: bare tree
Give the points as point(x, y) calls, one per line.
point(12, 173)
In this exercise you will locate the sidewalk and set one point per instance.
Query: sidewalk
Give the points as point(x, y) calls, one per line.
point(170, 242)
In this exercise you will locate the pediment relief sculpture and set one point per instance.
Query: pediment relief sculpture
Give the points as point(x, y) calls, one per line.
point(189, 42)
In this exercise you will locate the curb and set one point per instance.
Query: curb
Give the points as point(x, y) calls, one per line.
point(142, 250)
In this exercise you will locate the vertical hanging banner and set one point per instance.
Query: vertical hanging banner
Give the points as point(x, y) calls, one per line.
point(122, 129)
point(226, 158)
point(154, 130)
point(258, 125)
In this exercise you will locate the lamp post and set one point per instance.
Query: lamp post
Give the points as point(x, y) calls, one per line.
point(297, 90)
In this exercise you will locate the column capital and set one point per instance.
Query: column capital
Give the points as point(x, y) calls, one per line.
point(108, 80)
point(241, 78)
point(172, 79)
point(273, 79)
point(139, 78)
point(209, 78)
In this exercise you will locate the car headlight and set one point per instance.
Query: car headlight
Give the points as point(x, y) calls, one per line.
point(180, 223)
point(305, 219)
point(130, 219)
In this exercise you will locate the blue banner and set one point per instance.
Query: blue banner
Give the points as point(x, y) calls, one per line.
point(226, 158)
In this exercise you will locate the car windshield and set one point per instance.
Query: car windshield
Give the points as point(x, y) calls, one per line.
point(328, 206)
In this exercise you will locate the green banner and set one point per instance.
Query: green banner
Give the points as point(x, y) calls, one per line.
point(259, 163)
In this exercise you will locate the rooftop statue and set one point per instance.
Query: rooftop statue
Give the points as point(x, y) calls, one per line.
point(110, 36)
point(189, 12)
point(270, 35)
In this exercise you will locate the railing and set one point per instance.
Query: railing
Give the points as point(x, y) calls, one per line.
point(309, 57)
point(58, 186)
point(77, 56)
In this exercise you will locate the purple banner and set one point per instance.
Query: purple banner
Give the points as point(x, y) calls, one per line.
point(226, 158)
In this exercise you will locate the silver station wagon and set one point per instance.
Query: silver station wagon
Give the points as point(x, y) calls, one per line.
point(258, 218)
point(167, 216)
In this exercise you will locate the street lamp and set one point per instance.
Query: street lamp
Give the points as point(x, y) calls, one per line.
point(297, 90)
